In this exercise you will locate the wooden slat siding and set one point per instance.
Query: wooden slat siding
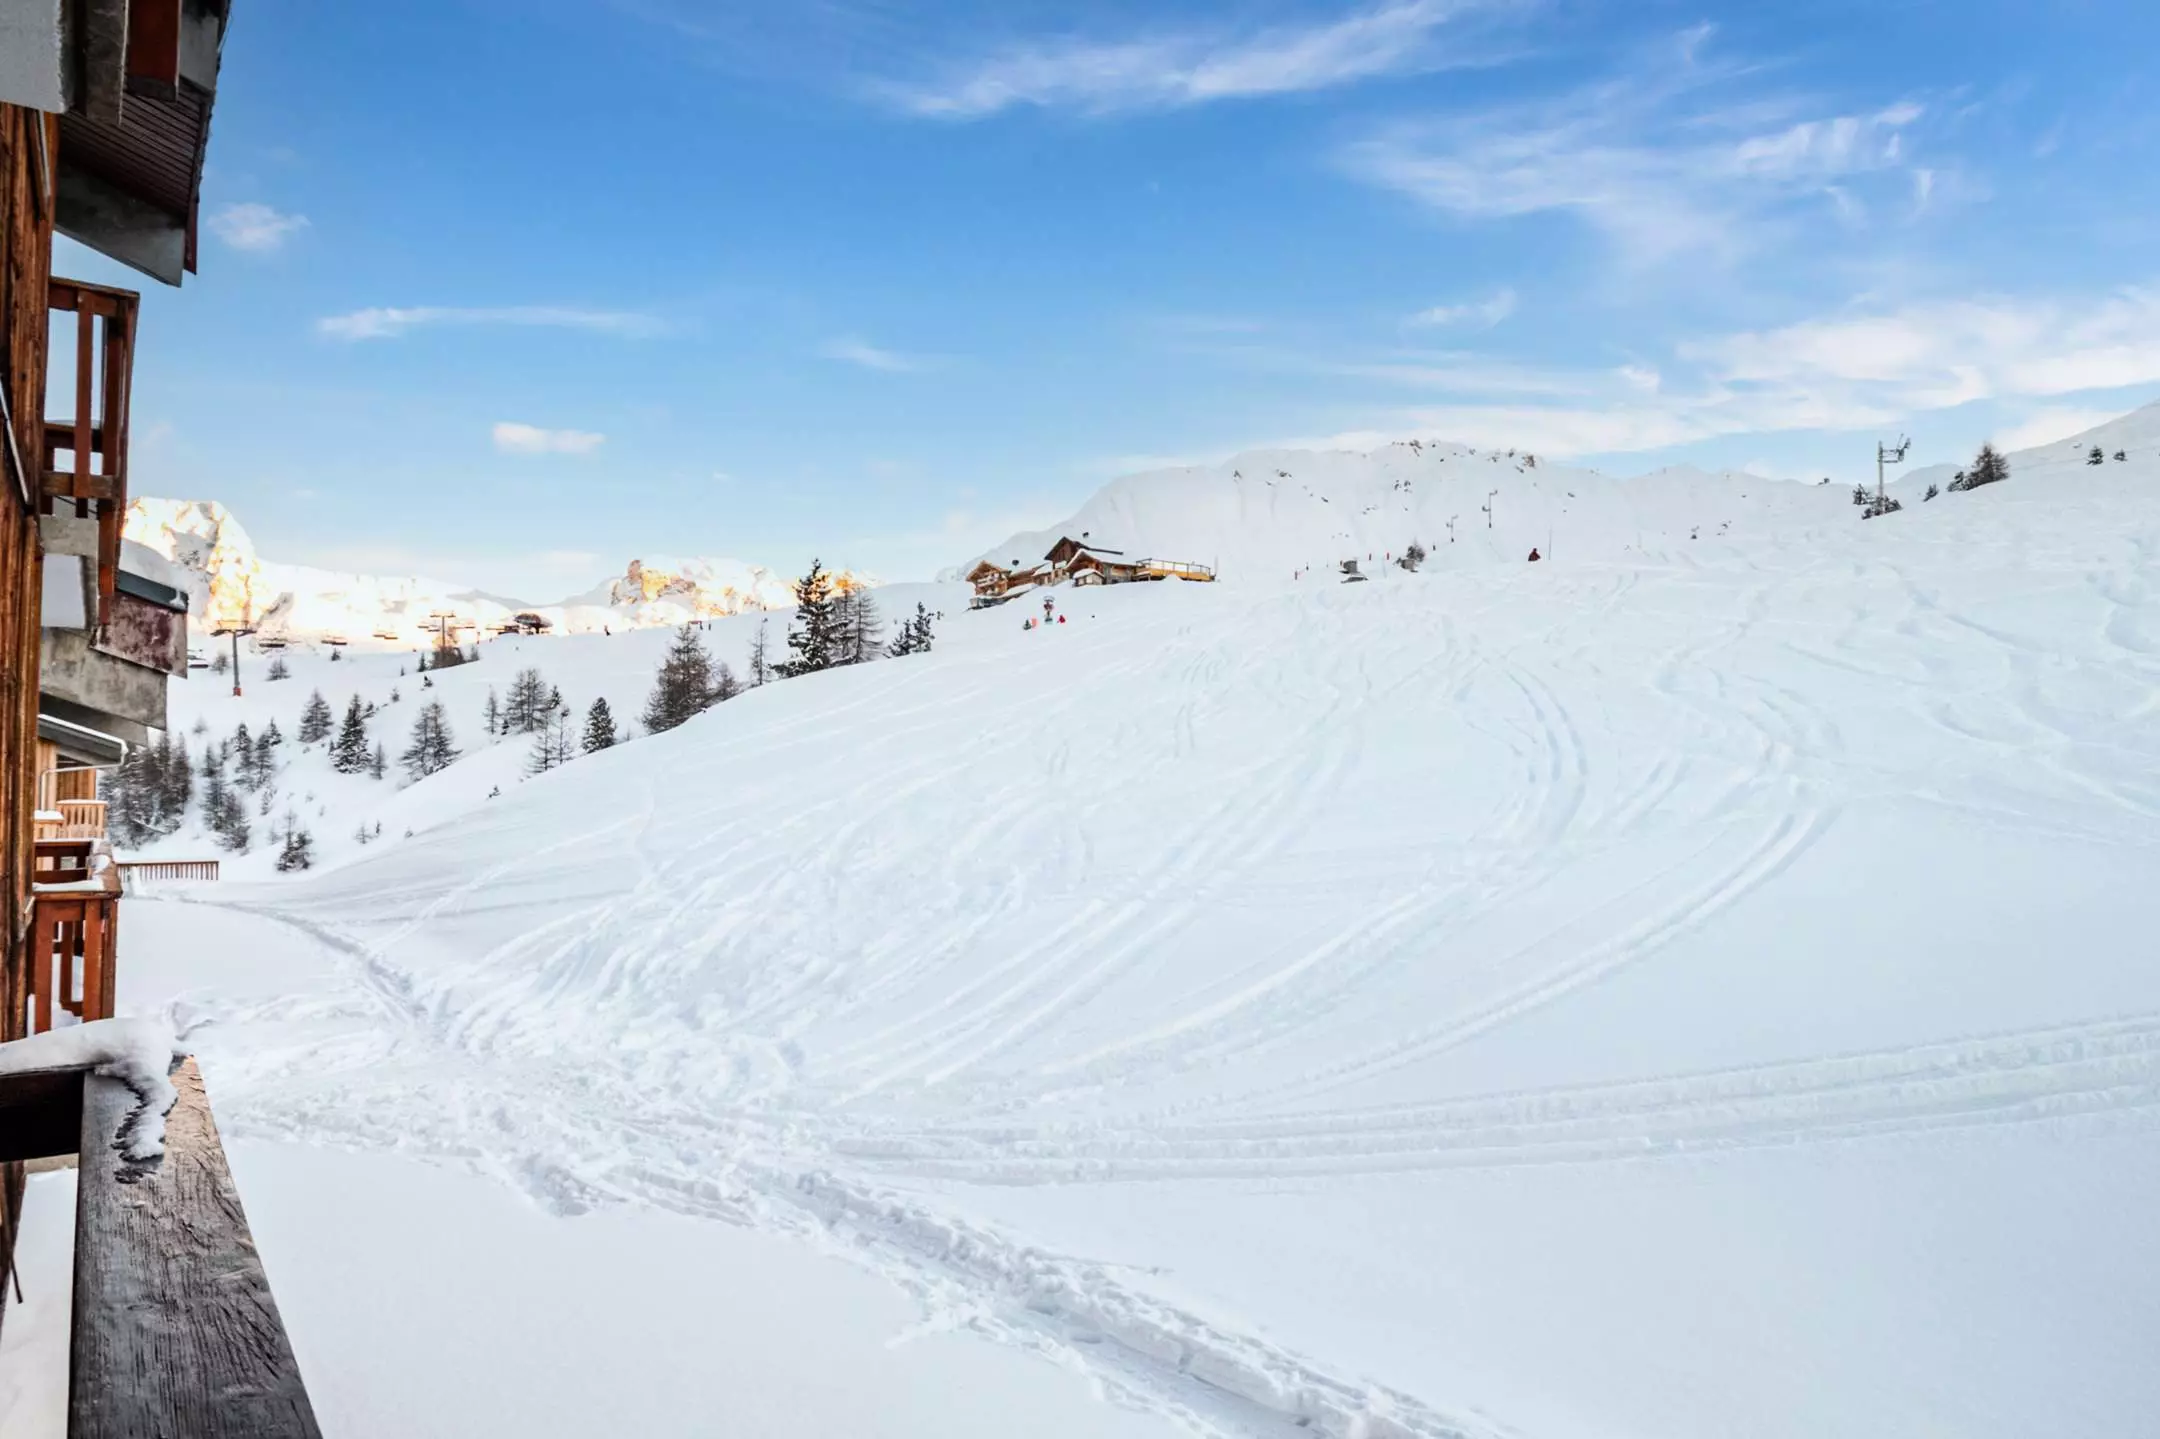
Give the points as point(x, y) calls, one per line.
point(153, 44)
point(40, 1114)
point(176, 1333)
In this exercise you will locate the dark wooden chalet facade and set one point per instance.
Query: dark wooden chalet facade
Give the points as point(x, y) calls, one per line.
point(104, 122)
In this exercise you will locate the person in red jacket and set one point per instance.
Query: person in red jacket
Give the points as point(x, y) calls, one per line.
point(1534, 556)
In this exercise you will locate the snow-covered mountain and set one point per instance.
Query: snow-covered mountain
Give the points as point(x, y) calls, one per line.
point(1268, 514)
point(231, 583)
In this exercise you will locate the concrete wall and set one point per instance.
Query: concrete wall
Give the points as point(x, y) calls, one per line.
point(113, 692)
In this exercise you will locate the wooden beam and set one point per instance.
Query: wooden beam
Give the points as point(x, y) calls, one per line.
point(40, 1113)
point(175, 1329)
point(70, 485)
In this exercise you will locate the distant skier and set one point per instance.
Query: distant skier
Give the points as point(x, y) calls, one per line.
point(1049, 607)
point(1534, 555)
point(1061, 619)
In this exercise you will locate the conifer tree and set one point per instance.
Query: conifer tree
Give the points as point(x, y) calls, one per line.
point(243, 748)
point(814, 641)
point(599, 726)
point(278, 670)
point(315, 720)
point(299, 850)
point(432, 748)
point(858, 624)
point(684, 686)
point(378, 762)
point(761, 670)
point(526, 707)
point(914, 637)
point(494, 713)
point(178, 788)
point(349, 753)
point(725, 685)
point(551, 744)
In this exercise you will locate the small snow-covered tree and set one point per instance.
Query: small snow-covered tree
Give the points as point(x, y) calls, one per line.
point(814, 638)
point(551, 747)
point(915, 636)
point(493, 713)
point(684, 686)
point(432, 748)
point(278, 670)
point(219, 664)
point(349, 753)
point(599, 726)
point(1988, 468)
point(1932, 492)
point(378, 762)
point(315, 720)
point(526, 707)
point(298, 851)
point(857, 625)
point(761, 671)
point(2096, 456)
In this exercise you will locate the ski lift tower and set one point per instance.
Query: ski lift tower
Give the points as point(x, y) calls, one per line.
point(236, 629)
point(1886, 455)
point(443, 619)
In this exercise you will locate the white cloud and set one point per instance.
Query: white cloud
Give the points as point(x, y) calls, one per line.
point(1650, 160)
point(1931, 356)
point(871, 357)
point(390, 322)
point(252, 226)
point(516, 439)
point(1168, 70)
point(1482, 314)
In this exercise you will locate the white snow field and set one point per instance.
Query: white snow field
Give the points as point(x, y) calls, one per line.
point(1696, 991)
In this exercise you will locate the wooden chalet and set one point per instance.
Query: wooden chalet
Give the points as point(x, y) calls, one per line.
point(1079, 562)
point(104, 122)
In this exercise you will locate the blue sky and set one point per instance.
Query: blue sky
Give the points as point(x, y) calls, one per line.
point(513, 290)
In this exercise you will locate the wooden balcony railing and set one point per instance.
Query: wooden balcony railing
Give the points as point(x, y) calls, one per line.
point(74, 932)
point(174, 1329)
point(94, 481)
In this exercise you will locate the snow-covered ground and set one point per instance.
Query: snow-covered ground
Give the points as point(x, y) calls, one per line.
point(1695, 990)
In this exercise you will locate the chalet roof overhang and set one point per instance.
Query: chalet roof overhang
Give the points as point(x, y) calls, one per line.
point(132, 82)
point(79, 742)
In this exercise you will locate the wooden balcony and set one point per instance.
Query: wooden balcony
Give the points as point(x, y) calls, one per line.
point(74, 932)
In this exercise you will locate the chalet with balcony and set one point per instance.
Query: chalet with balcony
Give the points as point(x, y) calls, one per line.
point(104, 122)
point(1077, 561)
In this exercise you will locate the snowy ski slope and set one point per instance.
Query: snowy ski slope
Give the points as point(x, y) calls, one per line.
point(1689, 993)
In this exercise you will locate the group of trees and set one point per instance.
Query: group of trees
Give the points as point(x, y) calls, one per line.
point(1987, 468)
point(147, 797)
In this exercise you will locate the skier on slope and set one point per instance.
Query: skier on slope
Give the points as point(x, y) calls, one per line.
point(1534, 556)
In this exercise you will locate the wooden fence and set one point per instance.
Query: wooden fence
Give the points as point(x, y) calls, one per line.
point(133, 871)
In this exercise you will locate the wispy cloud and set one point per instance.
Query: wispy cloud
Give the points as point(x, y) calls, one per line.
point(513, 438)
point(1481, 314)
point(854, 351)
point(1193, 67)
point(1655, 160)
point(256, 227)
point(388, 323)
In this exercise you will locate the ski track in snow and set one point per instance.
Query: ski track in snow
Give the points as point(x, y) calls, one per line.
point(787, 1019)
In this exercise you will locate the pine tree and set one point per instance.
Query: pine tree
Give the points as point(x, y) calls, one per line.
point(243, 747)
point(814, 640)
point(223, 812)
point(526, 708)
point(761, 656)
point(278, 670)
point(219, 664)
point(551, 744)
point(2096, 457)
point(299, 850)
point(725, 686)
point(914, 637)
point(1987, 469)
point(599, 726)
point(315, 720)
point(349, 754)
point(1932, 492)
point(178, 789)
point(432, 748)
point(684, 686)
point(378, 762)
point(493, 720)
point(131, 798)
point(554, 699)
point(858, 624)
